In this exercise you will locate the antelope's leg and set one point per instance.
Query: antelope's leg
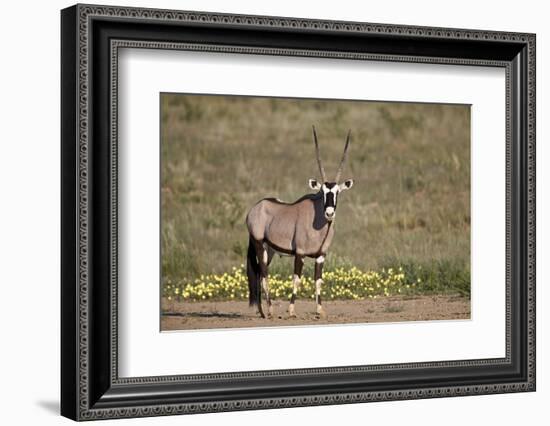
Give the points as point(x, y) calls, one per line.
point(259, 248)
point(318, 283)
point(264, 261)
point(298, 265)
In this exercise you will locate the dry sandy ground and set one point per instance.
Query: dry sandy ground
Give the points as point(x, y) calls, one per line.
point(195, 315)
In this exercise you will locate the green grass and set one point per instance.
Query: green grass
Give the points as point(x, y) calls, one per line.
point(437, 276)
point(409, 207)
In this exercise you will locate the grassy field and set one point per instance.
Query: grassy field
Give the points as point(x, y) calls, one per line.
point(409, 207)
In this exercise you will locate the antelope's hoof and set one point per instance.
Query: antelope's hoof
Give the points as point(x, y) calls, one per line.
point(261, 314)
point(270, 312)
point(321, 313)
point(291, 312)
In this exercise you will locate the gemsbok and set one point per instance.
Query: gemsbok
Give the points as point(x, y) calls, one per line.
point(304, 228)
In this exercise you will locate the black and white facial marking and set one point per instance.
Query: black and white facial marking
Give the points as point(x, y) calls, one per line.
point(330, 192)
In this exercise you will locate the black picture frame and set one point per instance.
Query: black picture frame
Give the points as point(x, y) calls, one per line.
point(90, 386)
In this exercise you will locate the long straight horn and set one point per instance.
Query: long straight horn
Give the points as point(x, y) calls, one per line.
point(321, 169)
point(344, 155)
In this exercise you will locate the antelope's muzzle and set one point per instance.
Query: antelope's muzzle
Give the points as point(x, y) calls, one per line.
point(330, 213)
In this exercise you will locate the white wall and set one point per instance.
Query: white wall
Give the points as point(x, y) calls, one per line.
point(29, 225)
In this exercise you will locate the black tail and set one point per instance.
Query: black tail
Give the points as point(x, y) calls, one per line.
point(253, 272)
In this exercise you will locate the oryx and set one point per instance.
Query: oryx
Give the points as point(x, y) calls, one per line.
point(301, 229)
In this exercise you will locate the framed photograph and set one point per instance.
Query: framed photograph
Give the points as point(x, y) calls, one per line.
point(263, 212)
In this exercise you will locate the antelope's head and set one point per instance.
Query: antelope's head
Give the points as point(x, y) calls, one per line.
point(330, 189)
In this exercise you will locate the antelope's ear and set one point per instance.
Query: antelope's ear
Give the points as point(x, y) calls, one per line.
point(313, 184)
point(346, 185)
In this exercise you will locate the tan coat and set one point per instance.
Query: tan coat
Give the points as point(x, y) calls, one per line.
point(292, 228)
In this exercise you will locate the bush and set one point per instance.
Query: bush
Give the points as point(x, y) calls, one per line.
point(340, 282)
